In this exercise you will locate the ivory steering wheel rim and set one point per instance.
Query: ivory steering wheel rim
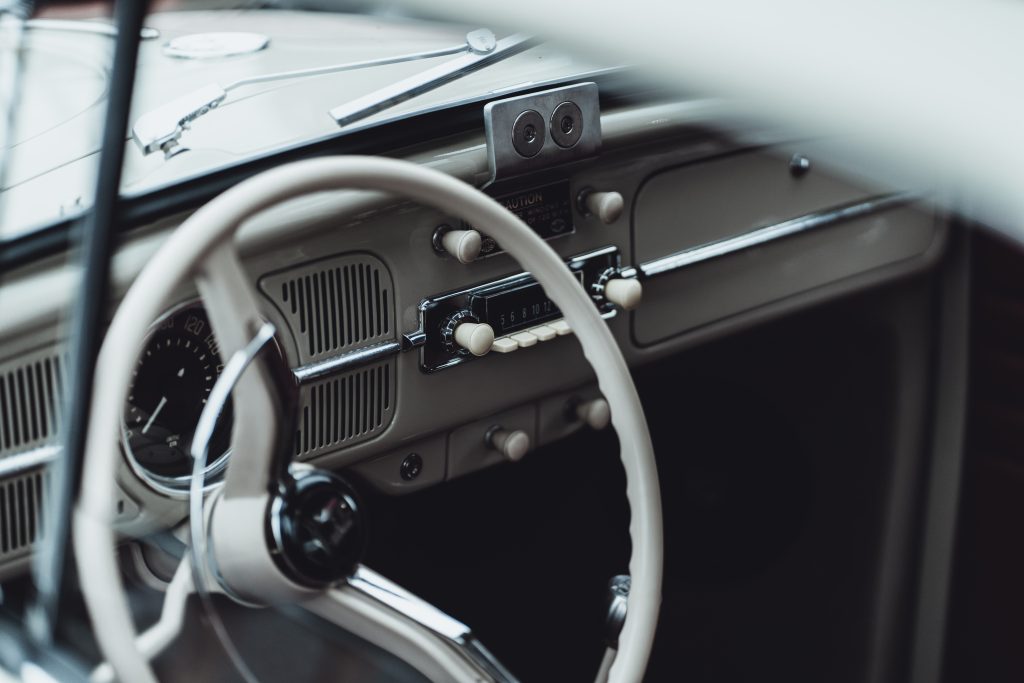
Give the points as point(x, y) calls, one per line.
point(207, 236)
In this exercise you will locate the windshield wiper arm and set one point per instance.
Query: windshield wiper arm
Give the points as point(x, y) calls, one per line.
point(431, 79)
point(162, 128)
point(82, 26)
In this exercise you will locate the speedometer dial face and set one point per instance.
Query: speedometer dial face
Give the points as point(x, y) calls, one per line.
point(173, 379)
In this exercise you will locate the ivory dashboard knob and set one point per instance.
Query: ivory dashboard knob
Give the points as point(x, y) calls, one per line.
point(607, 206)
point(513, 444)
point(476, 338)
point(624, 292)
point(464, 245)
point(596, 414)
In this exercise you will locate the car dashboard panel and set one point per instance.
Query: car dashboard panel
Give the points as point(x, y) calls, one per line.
point(711, 236)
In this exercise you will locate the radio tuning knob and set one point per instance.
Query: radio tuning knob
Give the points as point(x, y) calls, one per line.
point(596, 413)
point(607, 206)
point(624, 292)
point(463, 245)
point(512, 444)
point(476, 338)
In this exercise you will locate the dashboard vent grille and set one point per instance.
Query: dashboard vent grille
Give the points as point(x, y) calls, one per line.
point(31, 388)
point(345, 410)
point(336, 304)
point(21, 512)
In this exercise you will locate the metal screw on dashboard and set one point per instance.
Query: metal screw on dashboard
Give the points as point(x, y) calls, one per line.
point(566, 124)
point(528, 133)
point(799, 166)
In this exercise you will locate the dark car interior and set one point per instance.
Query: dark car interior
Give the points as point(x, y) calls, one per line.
point(829, 368)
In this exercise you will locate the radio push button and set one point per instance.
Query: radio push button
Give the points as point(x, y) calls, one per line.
point(524, 339)
point(560, 327)
point(504, 345)
point(543, 332)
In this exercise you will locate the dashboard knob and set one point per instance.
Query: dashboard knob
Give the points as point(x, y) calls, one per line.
point(512, 444)
point(464, 245)
point(596, 414)
point(624, 292)
point(476, 338)
point(607, 206)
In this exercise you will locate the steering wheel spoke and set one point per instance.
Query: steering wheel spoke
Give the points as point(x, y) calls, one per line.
point(157, 637)
point(265, 394)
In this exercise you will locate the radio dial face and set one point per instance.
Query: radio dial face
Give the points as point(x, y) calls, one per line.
point(448, 330)
point(597, 289)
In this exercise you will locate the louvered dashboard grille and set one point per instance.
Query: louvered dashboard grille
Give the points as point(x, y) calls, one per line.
point(334, 305)
point(30, 407)
point(31, 393)
point(21, 513)
point(345, 410)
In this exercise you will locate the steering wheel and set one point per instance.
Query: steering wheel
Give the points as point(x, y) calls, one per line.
point(242, 560)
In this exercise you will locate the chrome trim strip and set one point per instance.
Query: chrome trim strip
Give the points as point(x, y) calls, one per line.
point(22, 462)
point(346, 361)
point(794, 226)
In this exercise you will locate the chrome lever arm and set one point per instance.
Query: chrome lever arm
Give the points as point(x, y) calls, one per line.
point(439, 646)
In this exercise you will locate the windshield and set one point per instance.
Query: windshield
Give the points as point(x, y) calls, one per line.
point(54, 88)
point(244, 72)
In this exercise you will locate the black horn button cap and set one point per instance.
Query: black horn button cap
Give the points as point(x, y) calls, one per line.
point(316, 528)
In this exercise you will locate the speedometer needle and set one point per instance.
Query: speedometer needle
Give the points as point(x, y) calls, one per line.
point(159, 407)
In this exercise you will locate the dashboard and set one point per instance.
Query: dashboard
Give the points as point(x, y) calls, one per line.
point(422, 352)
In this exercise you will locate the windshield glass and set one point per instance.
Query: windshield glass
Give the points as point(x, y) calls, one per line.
point(53, 91)
point(225, 64)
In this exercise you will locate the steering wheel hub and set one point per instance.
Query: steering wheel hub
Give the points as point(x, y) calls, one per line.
point(316, 528)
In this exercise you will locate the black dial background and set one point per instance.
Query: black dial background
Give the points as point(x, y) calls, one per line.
point(174, 376)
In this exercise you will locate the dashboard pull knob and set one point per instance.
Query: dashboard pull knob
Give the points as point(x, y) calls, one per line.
point(624, 292)
point(596, 414)
point(464, 245)
point(512, 444)
point(476, 338)
point(607, 206)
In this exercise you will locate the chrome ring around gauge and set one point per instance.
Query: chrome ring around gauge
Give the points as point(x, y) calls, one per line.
point(175, 372)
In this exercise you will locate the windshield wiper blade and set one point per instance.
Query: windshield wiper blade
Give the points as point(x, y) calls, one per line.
point(431, 79)
point(162, 128)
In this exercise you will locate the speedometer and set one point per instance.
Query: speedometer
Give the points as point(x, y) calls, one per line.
point(175, 373)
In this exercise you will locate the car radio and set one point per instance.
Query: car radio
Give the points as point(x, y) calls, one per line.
point(514, 312)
